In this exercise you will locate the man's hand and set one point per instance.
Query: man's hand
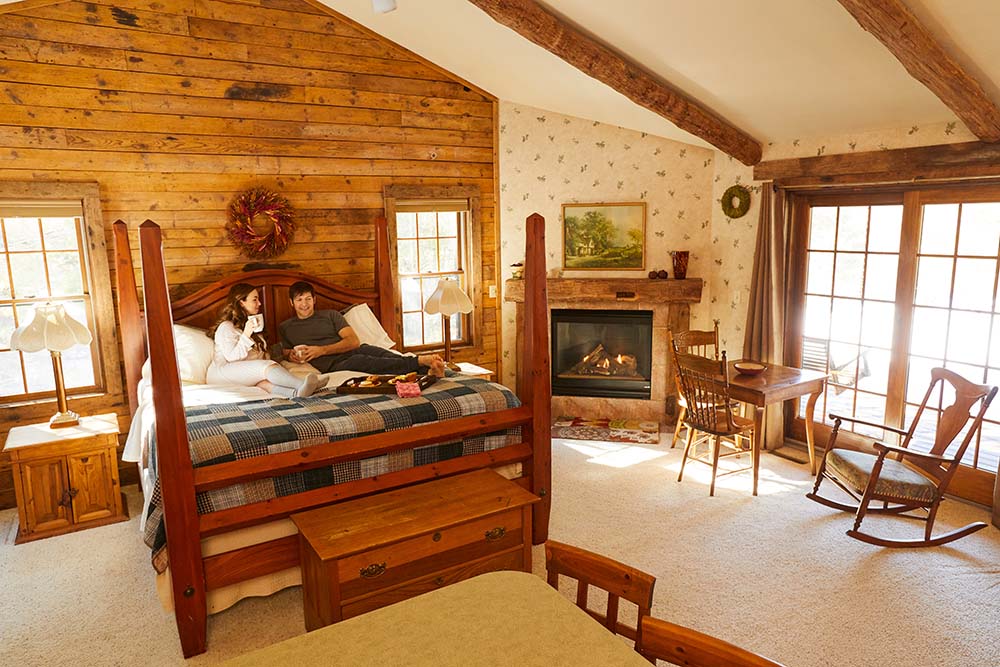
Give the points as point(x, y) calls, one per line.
point(305, 353)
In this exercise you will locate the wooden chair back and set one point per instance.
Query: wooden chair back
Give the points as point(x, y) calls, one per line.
point(619, 580)
point(951, 421)
point(702, 343)
point(683, 646)
point(705, 386)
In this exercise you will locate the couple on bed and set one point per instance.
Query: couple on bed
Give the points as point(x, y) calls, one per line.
point(322, 338)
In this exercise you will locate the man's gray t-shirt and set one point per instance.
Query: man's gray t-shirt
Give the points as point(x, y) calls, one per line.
point(321, 328)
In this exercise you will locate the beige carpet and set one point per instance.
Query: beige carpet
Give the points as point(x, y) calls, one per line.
point(774, 573)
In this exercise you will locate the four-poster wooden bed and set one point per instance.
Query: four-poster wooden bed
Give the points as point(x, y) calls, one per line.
point(192, 575)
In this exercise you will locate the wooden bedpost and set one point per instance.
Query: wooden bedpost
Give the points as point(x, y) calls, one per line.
point(173, 455)
point(537, 386)
point(129, 317)
point(383, 277)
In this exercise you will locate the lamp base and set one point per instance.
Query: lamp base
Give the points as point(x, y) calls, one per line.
point(64, 419)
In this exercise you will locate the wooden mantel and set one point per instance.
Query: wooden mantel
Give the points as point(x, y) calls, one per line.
point(590, 290)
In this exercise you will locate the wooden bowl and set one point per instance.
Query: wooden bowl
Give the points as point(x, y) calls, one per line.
point(749, 368)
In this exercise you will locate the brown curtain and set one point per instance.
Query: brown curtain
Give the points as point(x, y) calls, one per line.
point(765, 327)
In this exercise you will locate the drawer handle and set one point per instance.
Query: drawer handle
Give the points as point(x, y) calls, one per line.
point(439, 581)
point(373, 570)
point(495, 534)
point(436, 537)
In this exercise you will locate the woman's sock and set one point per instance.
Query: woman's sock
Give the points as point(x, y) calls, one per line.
point(307, 386)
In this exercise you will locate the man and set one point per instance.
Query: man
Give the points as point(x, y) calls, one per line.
point(324, 339)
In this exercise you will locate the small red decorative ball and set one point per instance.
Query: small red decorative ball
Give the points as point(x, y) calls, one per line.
point(653, 275)
point(254, 202)
point(662, 273)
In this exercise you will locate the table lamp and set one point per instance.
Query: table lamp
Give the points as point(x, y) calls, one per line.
point(54, 330)
point(448, 299)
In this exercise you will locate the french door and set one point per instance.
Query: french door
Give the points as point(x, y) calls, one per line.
point(890, 285)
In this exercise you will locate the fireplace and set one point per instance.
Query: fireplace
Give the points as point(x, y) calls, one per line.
point(602, 353)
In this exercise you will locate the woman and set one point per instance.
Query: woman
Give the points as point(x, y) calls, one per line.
point(240, 352)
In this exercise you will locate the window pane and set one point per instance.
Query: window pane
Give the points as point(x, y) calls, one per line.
point(873, 374)
point(4, 279)
point(852, 229)
point(412, 329)
point(871, 408)
point(918, 378)
point(817, 321)
point(823, 227)
point(428, 255)
point(877, 324)
point(974, 283)
point(11, 380)
point(933, 281)
point(410, 294)
point(979, 233)
point(448, 223)
point(923, 436)
point(406, 225)
point(78, 367)
point(937, 236)
point(456, 327)
point(820, 269)
point(6, 325)
point(38, 368)
point(22, 234)
point(884, 230)
point(845, 320)
point(64, 273)
point(930, 325)
point(433, 329)
point(968, 336)
point(428, 286)
point(448, 254)
point(850, 272)
point(427, 225)
point(29, 275)
point(407, 257)
point(844, 364)
point(880, 278)
point(839, 401)
point(59, 233)
point(995, 343)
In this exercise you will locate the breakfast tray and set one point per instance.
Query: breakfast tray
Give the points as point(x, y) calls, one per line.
point(352, 385)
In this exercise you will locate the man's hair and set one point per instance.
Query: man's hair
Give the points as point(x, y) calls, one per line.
point(299, 288)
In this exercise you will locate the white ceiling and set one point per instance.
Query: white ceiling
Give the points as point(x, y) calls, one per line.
point(777, 69)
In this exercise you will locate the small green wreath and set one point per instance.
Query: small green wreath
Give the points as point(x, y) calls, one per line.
point(254, 202)
point(742, 201)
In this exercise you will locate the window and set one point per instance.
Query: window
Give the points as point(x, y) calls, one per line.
point(894, 286)
point(48, 254)
point(433, 237)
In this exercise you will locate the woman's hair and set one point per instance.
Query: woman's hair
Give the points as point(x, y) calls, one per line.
point(232, 311)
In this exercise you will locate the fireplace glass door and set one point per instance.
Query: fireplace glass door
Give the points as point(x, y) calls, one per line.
point(602, 353)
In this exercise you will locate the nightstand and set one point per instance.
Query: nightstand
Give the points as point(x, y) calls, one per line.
point(66, 479)
point(465, 368)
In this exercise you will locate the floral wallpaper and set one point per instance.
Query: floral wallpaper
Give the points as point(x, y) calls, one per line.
point(548, 159)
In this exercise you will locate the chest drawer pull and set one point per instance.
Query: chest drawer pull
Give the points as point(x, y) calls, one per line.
point(372, 571)
point(439, 581)
point(436, 537)
point(495, 534)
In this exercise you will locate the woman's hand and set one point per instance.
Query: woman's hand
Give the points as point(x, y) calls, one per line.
point(248, 328)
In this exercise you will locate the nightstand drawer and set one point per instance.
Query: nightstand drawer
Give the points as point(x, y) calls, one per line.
point(511, 560)
point(381, 568)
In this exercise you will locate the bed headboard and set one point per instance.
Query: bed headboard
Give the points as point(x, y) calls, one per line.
point(201, 308)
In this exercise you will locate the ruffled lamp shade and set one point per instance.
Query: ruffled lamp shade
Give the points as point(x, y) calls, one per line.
point(448, 299)
point(54, 330)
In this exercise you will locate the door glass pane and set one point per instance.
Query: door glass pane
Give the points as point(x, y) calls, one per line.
point(968, 337)
point(852, 228)
point(873, 372)
point(937, 232)
point(880, 278)
point(823, 227)
point(980, 230)
point(845, 321)
point(877, 322)
point(928, 331)
point(884, 229)
point(820, 272)
point(974, 283)
point(849, 274)
point(934, 281)
point(817, 320)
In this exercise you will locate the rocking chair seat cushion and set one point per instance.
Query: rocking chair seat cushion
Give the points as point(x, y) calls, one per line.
point(896, 480)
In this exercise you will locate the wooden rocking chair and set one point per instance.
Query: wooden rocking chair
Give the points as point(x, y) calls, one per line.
point(912, 480)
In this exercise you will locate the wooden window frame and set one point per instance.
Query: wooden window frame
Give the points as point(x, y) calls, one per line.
point(97, 284)
point(973, 484)
point(395, 193)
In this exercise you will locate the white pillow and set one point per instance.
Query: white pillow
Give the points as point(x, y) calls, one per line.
point(366, 325)
point(195, 351)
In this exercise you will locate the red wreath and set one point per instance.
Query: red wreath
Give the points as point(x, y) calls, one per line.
point(254, 202)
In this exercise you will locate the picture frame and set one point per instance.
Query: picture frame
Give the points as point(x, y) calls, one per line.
point(604, 236)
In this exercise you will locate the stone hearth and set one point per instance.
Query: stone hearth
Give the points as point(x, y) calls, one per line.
point(669, 300)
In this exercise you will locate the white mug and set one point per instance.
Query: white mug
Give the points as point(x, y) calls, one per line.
point(258, 322)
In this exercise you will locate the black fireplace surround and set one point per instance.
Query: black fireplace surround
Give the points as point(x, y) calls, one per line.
point(602, 353)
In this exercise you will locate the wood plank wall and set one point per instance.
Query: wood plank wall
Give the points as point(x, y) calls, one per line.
point(175, 106)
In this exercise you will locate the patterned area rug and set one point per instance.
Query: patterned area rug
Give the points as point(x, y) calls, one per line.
point(613, 430)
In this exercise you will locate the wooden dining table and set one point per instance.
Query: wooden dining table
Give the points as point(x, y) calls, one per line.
point(495, 619)
point(776, 384)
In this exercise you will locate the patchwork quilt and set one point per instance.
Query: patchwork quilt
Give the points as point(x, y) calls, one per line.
point(233, 431)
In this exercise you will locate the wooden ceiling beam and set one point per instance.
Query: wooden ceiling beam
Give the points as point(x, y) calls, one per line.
point(537, 24)
point(893, 24)
point(974, 159)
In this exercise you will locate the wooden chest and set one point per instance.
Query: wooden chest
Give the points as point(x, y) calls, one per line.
point(371, 552)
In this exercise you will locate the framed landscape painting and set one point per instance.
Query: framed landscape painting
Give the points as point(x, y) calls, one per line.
point(604, 236)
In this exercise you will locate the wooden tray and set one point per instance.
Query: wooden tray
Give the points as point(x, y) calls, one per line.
point(350, 385)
